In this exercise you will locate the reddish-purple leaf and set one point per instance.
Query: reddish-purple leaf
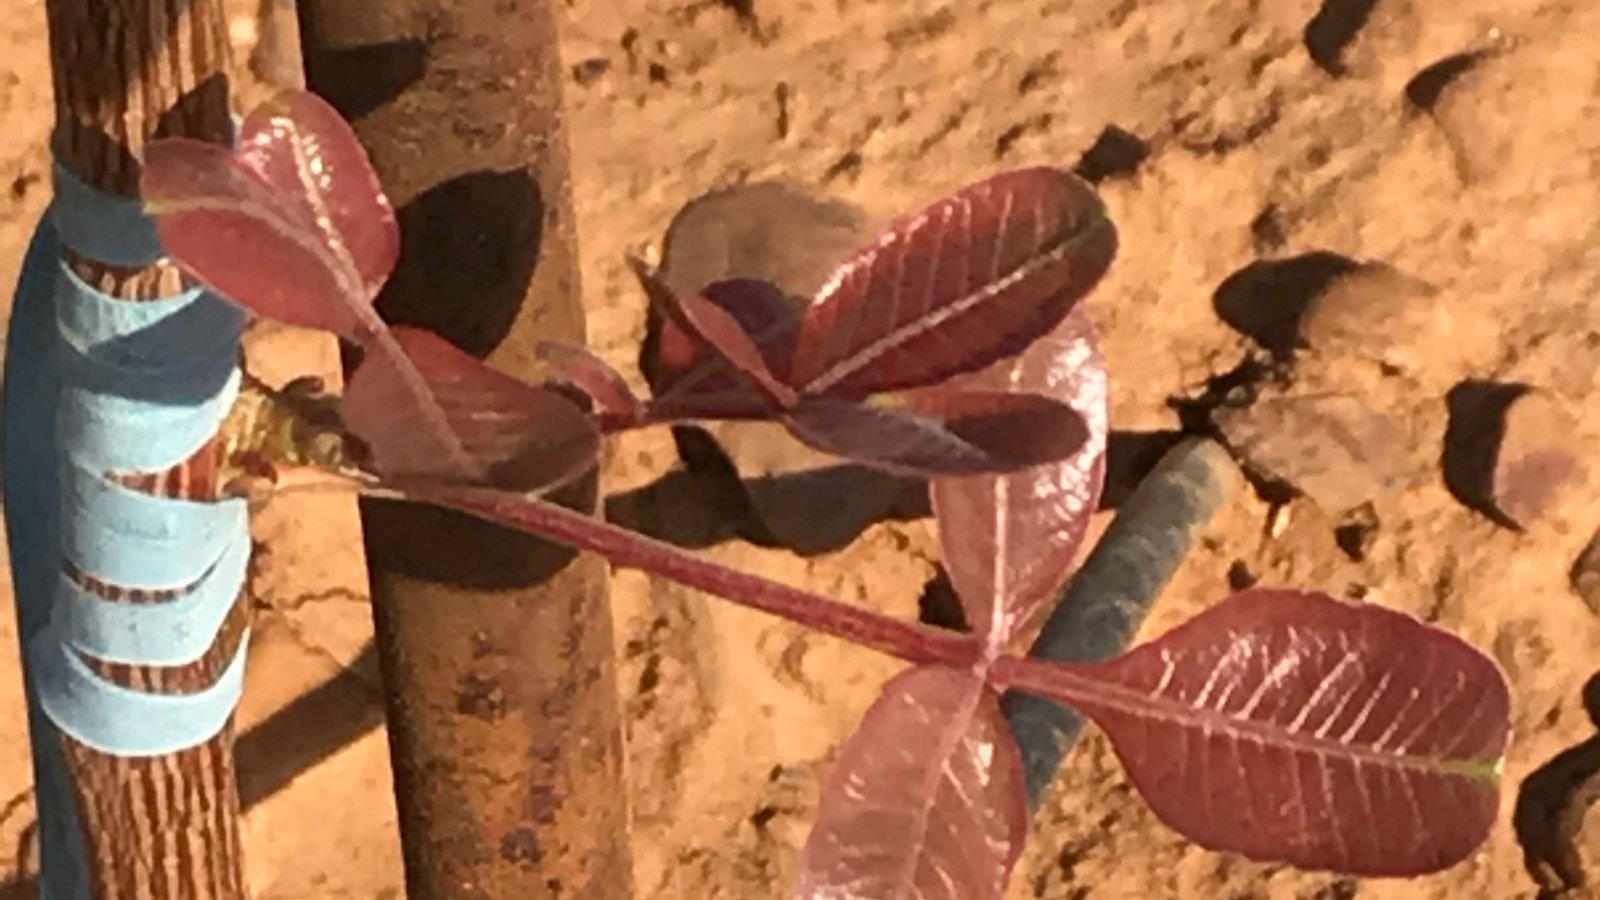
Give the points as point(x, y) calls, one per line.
point(716, 330)
point(956, 432)
point(302, 146)
point(585, 370)
point(498, 430)
point(293, 225)
point(681, 366)
point(1009, 541)
point(926, 800)
point(970, 280)
point(1289, 726)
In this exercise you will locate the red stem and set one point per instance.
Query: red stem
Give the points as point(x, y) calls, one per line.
point(1060, 680)
point(912, 642)
point(676, 411)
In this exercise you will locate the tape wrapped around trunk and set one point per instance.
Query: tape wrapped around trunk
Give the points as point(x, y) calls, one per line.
point(139, 386)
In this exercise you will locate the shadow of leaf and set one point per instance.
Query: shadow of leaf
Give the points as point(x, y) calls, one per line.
point(468, 251)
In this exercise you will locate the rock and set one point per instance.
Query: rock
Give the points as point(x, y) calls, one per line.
point(1513, 452)
point(770, 230)
point(1362, 39)
point(1538, 464)
point(1379, 313)
point(1507, 114)
point(1332, 448)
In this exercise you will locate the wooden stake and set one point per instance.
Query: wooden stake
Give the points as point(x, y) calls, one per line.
point(495, 647)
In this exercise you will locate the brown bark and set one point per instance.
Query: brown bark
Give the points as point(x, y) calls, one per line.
point(496, 648)
point(126, 71)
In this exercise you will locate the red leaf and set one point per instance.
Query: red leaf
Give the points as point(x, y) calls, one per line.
point(1290, 726)
point(926, 800)
point(682, 367)
point(972, 279)
point(965, 432)
point(304, 148)
point(1009, 541)
point(497, 430)
point(293, 225)
point(715, 329)
point(585, 370)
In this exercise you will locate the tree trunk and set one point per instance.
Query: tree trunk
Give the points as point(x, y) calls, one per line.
point(124, 826)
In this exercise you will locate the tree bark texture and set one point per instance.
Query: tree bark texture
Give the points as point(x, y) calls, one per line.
point(125, 72)
point(496, 647)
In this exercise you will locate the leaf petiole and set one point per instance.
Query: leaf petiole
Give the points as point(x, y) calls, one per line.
point(913, 642)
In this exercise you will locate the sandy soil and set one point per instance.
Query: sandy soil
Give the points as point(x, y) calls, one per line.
point(1283, 141)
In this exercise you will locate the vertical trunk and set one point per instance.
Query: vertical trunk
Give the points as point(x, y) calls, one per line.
point(496, 647)
point(139, 826)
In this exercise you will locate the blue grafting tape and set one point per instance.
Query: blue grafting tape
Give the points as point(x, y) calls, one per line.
point(121, 721)
point(119, 414)
point(171, 632)
point(150, 334)
point(33, 516)
point(104, 227)
point(135, 540)
point(104, 431)
point(171, 543)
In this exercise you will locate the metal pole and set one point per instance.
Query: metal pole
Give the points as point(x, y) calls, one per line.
point(117, 821)
point(496, 648)
point(1108, 598)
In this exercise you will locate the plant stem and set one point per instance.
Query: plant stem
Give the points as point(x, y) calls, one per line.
point(909, 641)
point(1045, 678)
point(678, 412)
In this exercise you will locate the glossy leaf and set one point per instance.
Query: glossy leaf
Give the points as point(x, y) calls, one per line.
point(717, 331)
point(585, 370)
point(1008, 542)
point(967, 432)
point(1289, 726)
point(926, 799)
point(292, 225)
point(970, 280)
point(498, 430)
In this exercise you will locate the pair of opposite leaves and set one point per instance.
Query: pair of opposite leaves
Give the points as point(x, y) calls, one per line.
point(1282, 725)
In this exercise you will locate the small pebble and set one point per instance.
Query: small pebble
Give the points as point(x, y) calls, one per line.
point(1332, 448)
point(1538, 464)
point(1379, 313)
point(590, 70)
